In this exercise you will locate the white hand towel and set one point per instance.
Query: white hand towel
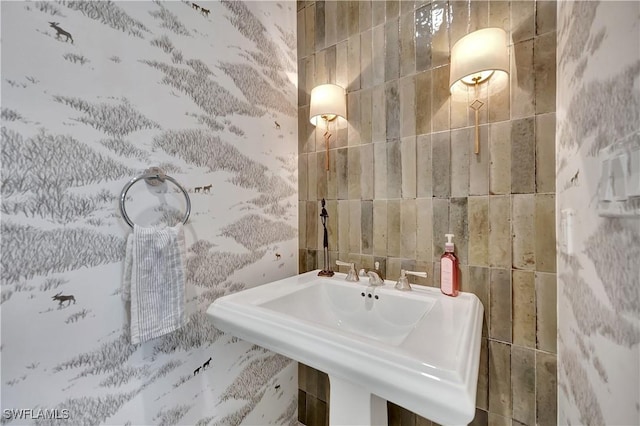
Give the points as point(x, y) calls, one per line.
point(154, 280)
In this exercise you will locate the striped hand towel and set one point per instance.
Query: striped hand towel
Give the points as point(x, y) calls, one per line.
point(154, 280)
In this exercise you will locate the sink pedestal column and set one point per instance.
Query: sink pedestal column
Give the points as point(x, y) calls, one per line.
point(351, 404)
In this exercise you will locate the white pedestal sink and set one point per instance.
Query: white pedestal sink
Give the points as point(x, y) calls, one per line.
point(418, 349)
point(360, 407)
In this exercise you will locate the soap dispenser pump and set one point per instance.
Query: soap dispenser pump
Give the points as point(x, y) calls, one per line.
point(449, 283)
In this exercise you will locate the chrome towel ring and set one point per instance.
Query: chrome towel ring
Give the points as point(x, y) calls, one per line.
point(154, 176)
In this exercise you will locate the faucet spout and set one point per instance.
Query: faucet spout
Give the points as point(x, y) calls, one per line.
point(374, 279)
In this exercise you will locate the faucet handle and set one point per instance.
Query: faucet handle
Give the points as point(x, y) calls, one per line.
point(403, 282)
point(414, 273)
point(352, 275)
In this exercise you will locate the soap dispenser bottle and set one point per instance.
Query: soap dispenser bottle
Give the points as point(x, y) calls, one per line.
point(449, 283)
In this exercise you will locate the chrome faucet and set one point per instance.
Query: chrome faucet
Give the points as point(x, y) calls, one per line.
point(403, 282)
point(352, 275)
point(374, 279)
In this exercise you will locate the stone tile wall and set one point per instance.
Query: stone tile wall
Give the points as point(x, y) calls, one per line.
point(403, 173)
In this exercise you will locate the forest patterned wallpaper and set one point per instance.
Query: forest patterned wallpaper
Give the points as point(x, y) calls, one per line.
point(598, 106)
point(93, 93)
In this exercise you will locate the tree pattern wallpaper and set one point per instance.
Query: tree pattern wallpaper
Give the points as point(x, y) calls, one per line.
point(94, 93)
point(598, 100)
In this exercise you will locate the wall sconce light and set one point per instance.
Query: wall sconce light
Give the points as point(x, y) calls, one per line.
point(476, 58)
point(328, 102)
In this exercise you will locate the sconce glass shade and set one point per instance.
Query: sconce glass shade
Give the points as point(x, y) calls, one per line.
point(327, 101)
point(478, 56)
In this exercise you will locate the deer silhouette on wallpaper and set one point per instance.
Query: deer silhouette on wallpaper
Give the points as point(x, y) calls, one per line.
point(204, 11)
point(61, 298)
point(60, 31)
point(195, 6)
point(202, 367)
point(206, 364)
point(574, 179)
point(277, 124)
point(197, 189)
point(207, 189)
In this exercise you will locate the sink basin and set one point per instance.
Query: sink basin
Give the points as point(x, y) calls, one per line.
point(388, 319)
point(418, 349)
